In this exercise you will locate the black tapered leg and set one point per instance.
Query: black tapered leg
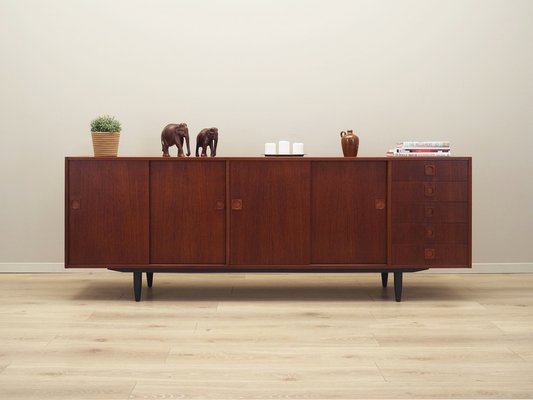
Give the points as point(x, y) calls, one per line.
point(137, 285)
point(150, 278)
point(398, 283)
point(384, 279)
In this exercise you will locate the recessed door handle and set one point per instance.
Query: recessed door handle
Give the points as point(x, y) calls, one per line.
point(75, 204)
point(236, 204)
point(430, 189)
point(429, 169)
point(219, 205)
point(429, 254)
point(380, 204)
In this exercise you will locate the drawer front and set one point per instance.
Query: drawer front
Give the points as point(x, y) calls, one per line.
point(438, 255)
point(432, 170)
point(425, 234)
point(430, 212)
point(430, 191)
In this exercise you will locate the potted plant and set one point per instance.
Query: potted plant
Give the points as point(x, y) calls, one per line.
point(105, 131)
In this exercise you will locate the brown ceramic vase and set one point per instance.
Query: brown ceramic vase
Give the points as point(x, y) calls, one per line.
point(350, 143)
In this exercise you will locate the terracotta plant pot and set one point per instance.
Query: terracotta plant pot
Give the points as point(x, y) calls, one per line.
point(105, 144)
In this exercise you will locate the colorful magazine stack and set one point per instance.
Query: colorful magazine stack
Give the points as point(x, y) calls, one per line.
point(421, 149)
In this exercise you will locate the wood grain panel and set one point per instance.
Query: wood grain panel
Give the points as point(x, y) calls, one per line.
point(406, 233)
point(438, 170)
point(272, 225)
point(430, 191)
point(432, 255)
point(187, 212)
point(430, 212)
point(107, 212)
point(347, 225)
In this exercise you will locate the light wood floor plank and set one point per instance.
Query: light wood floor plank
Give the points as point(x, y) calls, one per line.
point(258, 336)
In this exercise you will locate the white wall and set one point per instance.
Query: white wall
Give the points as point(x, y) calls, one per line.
point(263, 71)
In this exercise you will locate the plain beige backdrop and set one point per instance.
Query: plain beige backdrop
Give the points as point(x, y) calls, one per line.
point(265, 71)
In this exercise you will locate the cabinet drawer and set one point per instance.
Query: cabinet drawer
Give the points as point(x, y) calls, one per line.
point(429, 170)
point(427, 212)
point(443, 255)
point(430, 191)
point(422, 234)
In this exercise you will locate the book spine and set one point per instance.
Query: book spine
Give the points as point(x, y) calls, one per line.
point(423, 154)
point(424, 150)
point(425, 144)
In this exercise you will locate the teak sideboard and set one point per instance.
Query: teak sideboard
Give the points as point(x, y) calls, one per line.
point(269, 214)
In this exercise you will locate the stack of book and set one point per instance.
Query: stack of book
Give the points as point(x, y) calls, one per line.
point(421, 149)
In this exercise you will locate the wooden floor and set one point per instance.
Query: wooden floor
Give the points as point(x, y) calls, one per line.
point(302, 336)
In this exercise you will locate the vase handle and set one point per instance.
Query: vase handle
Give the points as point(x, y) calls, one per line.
point(343, 133)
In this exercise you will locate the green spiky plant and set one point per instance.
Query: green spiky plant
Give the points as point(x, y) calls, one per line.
point(105, 123)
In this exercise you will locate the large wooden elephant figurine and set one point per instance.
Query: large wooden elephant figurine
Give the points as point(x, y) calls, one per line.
point(174, 134)
point(207, 137)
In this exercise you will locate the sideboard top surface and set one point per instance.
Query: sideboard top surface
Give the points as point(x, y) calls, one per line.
point(273, 158)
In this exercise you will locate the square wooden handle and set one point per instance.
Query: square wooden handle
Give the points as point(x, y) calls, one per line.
point(380, 204)
point(430, 189)
point(236, 204)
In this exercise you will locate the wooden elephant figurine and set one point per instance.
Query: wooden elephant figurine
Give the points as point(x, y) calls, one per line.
point(174, 134)
point(207, 137)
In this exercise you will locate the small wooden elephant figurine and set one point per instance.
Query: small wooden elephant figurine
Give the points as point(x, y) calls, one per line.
point(207, 137)
point(174, 134)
